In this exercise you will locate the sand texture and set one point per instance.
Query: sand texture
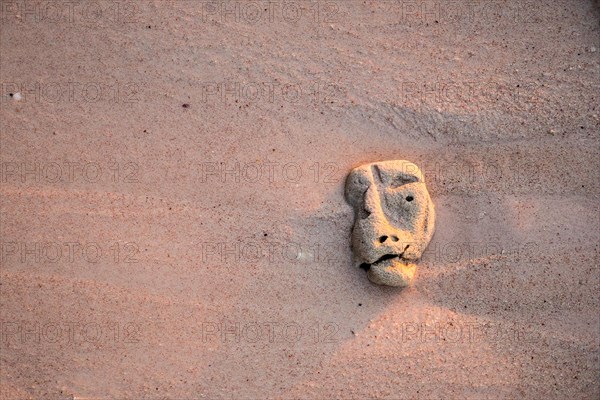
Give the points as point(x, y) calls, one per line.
point(173, 218)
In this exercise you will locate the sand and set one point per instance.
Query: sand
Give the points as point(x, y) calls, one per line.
point(172, 215)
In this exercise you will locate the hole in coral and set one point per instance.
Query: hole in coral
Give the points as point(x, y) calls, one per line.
point(382, 239)
point(364, 214)
point(409, 198)
point(386, 257)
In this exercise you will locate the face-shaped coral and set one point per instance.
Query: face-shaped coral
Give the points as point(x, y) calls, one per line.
point(394, 219)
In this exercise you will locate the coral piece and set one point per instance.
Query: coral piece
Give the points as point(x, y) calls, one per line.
point(394, 220)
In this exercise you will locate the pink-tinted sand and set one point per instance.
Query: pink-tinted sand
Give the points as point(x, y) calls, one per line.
point(172, 215)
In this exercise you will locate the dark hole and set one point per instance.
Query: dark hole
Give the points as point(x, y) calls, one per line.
point(382, 239)
point(186, 105)
point(367, 266)
point(265, 234)
point(11, 94)
point(360, 304)
point(409, 198)
point(365, 214)
point(386, 257)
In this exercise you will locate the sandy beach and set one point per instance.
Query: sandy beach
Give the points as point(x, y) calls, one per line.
point(172, 213)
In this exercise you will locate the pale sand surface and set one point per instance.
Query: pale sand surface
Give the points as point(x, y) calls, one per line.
point(505, 303)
